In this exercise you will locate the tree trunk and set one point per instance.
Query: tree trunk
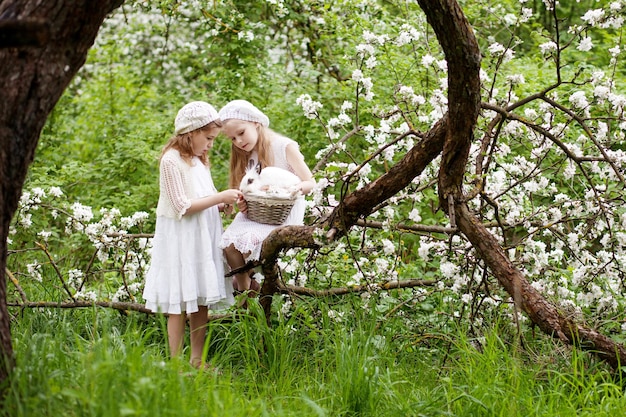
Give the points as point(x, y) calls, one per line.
point(463, 56)
point(545, 315)
point(47, 46)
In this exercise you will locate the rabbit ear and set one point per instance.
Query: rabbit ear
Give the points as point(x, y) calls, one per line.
point(258, 168)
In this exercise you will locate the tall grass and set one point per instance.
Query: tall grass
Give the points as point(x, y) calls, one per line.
point(96, 362)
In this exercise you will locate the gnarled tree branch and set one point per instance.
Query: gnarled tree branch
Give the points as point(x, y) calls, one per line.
point(452, 135)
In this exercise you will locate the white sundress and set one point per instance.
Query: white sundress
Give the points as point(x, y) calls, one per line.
point(187, 266)
point(246, 235)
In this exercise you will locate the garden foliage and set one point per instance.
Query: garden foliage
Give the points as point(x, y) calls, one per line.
point(356, 83)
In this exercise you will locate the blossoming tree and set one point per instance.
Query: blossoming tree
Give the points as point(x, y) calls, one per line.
point(439, 158)
point(528, 223)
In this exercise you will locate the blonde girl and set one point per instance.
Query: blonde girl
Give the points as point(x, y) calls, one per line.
point(254, 145)
point(186, 274)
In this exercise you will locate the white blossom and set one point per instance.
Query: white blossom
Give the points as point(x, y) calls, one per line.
point(526, 15)
point(357, 75)
point(593, 17)
point(309, 106)
point(448, 269)
point(601, 93)
point(336, 315)
point(247, 35)
point(45, 234)
point(86, 295)
point(579, 100)
point(34, 270)
point(26, 220)
point(81, 212)
point(516, 79)
point(548, 47)
point(415, 216)
point(509, 19)
point(55, 192)
point(388, 247)
point(427, 60)
point(585, 44)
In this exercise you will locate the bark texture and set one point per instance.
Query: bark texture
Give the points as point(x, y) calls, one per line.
point(42, 46)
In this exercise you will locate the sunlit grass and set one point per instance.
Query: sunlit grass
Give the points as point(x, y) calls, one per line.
point(95, 362)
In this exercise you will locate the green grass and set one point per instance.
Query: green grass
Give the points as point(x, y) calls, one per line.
point(96, 362)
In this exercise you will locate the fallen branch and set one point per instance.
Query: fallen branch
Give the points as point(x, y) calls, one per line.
point(121, 306)
point(542, 313)
point(82, 304)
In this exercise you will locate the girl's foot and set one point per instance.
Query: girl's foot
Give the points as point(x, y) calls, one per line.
point(241, 299)
point(204, 366)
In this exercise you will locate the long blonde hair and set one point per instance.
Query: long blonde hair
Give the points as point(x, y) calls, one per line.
point(239, 158)
point(182, 143)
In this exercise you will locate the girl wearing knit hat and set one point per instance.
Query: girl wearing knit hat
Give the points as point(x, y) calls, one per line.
point(255, 145)
point(186, 274)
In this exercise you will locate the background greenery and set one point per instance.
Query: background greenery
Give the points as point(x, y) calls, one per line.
point(413, 352)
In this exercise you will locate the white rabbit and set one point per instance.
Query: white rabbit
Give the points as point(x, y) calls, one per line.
point(250, 183)
point(271, 181)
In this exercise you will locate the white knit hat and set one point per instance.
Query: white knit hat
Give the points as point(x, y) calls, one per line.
point(193, 116)
point(243, 110)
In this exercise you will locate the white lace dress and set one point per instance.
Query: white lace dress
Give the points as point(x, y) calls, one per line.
point(246, 235)
point(187, 266)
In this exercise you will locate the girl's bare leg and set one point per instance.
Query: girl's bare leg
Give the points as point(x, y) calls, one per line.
point(197, 334)
point(175, 333)
point(235, 260)
point(255, 287)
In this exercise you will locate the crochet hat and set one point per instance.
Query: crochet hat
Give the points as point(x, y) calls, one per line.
point(243, 110)
point(193, 116)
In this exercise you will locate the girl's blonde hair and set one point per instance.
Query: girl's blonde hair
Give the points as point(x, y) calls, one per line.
point(239, 158)
point(182, 143)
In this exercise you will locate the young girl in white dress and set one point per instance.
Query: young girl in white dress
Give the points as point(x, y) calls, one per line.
point(254, 144)
point(186, 273)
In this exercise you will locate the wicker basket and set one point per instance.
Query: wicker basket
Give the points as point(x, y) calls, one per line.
point(268, 210)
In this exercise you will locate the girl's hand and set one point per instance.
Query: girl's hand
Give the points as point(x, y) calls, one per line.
point(242, 205)
point(226, 208)
point(230, 196)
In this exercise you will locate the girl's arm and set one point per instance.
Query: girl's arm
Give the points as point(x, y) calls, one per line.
point(296, 160)
point(183, 205)
point(173, 187)
point(224, 197)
